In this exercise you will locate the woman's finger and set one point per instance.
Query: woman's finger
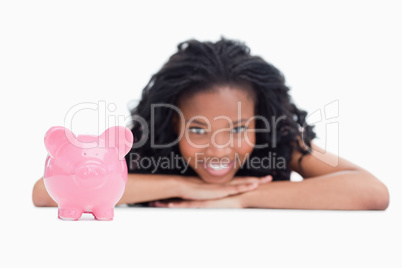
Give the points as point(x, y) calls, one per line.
point(236, 189)
point(226, 190)
point(246, 180)
point(181, 204)
point(249, 180)
point(159, 204)
point(245, 187)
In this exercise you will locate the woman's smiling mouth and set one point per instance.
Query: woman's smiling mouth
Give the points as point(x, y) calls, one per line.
point(218, 169)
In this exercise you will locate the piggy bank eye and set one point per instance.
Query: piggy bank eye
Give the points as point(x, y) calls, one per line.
point(84, 154)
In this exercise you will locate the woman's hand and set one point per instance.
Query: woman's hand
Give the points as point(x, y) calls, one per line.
point(193, 188)
point(227, 202)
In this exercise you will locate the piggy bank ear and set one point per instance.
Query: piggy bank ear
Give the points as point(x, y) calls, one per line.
point(119, 137)
point(55, 137)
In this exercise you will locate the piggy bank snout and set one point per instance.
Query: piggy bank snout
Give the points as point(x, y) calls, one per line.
point(89, 171)
point(90, 175)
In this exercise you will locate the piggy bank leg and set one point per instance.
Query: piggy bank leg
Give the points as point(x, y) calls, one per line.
point(72, 214)
point(103, 213)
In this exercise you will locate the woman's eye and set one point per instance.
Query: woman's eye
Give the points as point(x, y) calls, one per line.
point(239, 129)
point(197, 130)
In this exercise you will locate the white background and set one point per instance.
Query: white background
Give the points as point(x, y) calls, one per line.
point(55, 55)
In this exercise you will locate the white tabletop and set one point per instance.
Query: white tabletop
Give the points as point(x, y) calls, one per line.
point(165, 237)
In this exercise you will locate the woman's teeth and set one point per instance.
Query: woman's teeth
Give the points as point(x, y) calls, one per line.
point(217, 167)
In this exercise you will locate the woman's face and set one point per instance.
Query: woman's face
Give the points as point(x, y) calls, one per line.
point(217, 132)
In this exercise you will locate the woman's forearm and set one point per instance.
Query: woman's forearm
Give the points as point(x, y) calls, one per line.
point(40, 196)
point(344, 190)
point(149, 187)
point(139, 188)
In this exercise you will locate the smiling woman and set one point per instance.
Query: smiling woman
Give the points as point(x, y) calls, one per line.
point(228, 105)
point(216, 127)
point(234, 124)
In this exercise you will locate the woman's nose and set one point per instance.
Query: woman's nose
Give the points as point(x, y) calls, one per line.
point(221, 145)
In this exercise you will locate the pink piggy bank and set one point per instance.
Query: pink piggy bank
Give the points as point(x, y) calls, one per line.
point(85, 173)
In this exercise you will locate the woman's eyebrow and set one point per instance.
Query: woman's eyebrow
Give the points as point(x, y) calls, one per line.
point(205, 124)
point(197, 122)
point(240, 121)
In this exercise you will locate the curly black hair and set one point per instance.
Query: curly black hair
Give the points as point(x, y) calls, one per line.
point(198, 66)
